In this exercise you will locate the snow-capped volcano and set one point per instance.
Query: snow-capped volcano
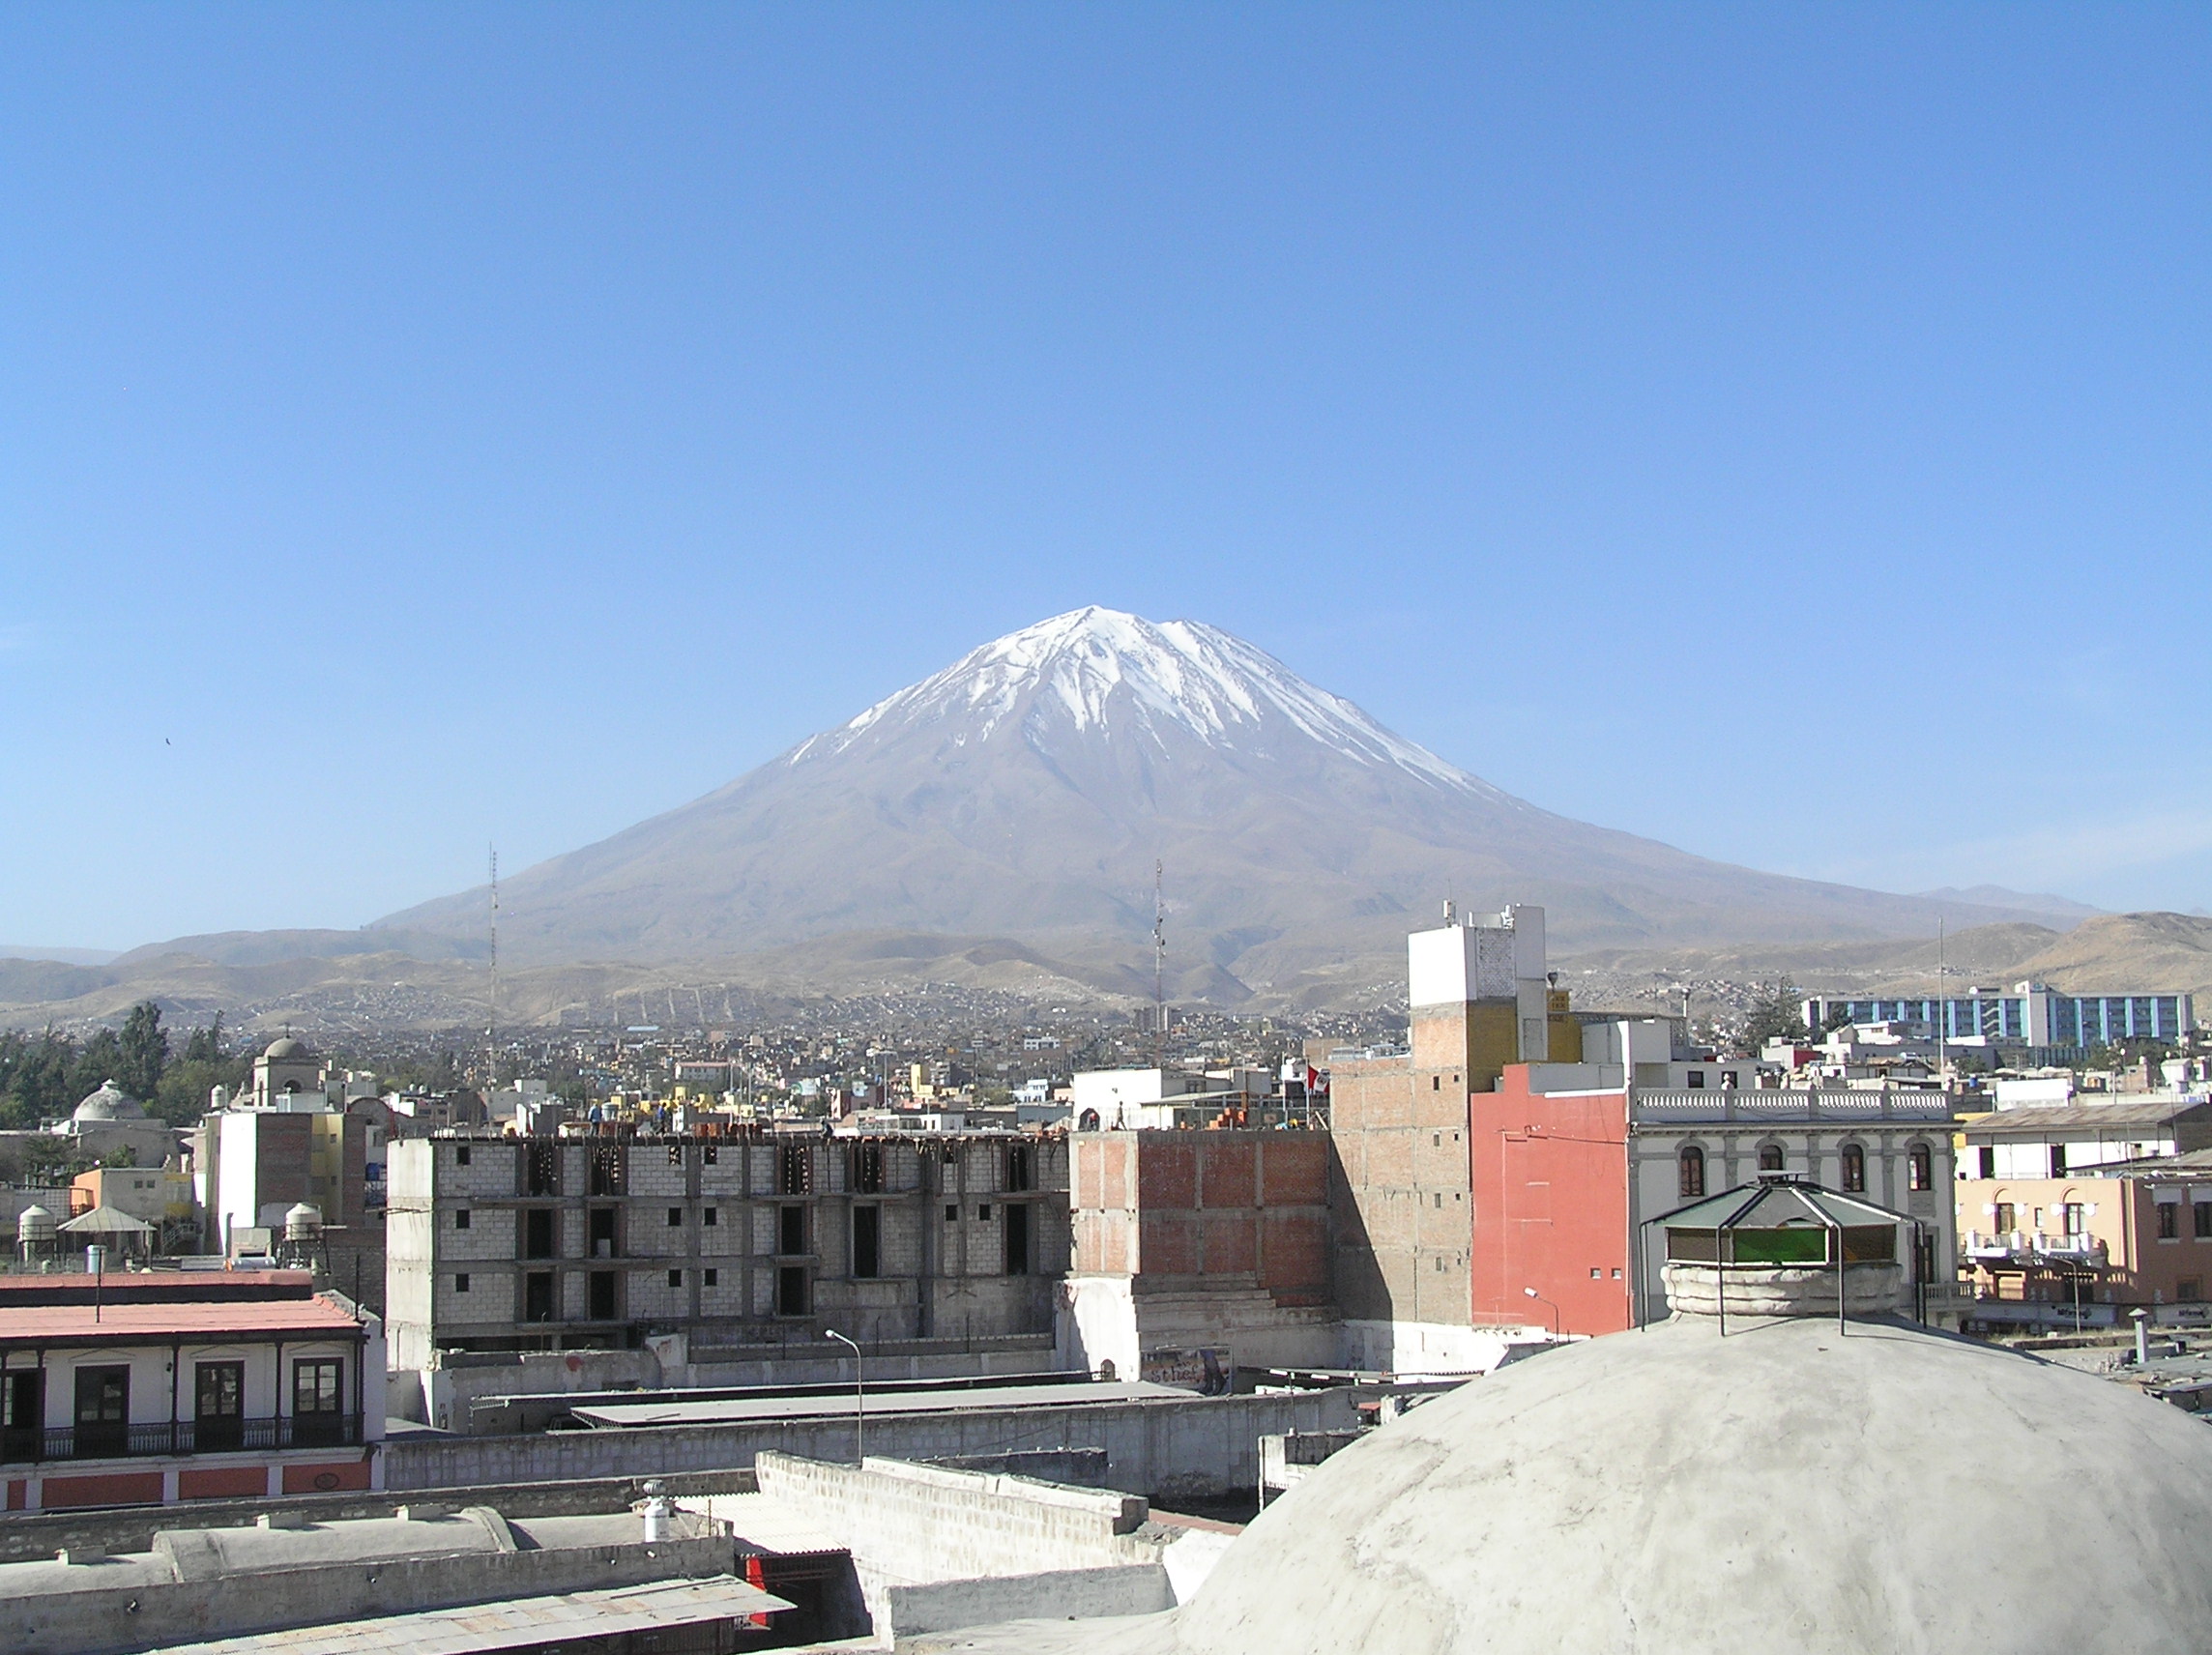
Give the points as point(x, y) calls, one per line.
point(1102, 670)
point(1027, 790)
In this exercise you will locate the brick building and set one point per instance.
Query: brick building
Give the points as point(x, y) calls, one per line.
point(1192, 1247)
point(599, 1239)
point(1516, 1147)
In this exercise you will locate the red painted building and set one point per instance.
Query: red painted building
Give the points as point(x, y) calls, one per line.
point(147, 1389)
point(1550, 1177)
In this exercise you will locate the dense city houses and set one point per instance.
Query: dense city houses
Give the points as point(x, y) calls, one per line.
point(1177, 1257)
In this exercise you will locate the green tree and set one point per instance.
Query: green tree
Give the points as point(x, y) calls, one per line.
point(35, 1078)
point(99, 1059)
point(143, 1049)
point(51, 1161)
point(1777, 1014)
point(205, 1045)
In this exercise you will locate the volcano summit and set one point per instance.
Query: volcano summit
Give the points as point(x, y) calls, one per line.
point(1025, 791)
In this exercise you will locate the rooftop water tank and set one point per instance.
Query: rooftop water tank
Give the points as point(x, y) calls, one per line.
point(34, 1225)
point(303, 1223)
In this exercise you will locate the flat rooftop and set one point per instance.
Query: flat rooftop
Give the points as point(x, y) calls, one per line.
point(743, 1410)
point(517, 1623)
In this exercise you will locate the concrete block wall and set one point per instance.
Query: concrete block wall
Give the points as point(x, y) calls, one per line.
point(926, 1522)
point(1061, 1594)
point(1191, 1448)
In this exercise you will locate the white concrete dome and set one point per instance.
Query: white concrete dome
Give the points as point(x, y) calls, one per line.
point(109, 1103)
point(1663, 1491)
point(284, 1050)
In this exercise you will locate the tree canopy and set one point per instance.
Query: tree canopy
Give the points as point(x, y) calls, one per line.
point(1777, 1014)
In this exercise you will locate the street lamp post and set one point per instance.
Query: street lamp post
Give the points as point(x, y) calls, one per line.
point(860, 1399)
point(1555, 1309)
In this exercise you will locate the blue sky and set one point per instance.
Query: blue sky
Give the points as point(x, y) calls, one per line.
point(1786, 432)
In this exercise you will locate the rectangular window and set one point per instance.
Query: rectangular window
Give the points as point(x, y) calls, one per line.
point(600, 1296)
point(983, 1213)
point(1697, 1080)
point(538, 1232)
point(462, 1155)
point(2189, 1289)
point(1017, 1239)
point(951, 1212)
point(2004, 1218)
point(1919, 1168)
point(461, 1282)
point(676, 1154)
point(676, 1218)
point(538, 1296)
point(710, 1217)
point(22, 1415)
point(711, 1278)
point(602, 1233)
point(675, 1278)
point(791, 1230)
point(2201, 1211)
point(2169, 1220)
point(609, 1171)
point(865, 1171)
point(790, 1291)
point(1989, 1160)
point(543, 1173)
point(102, 1410)
point(868, 1241)
point(1021, 1167)
point(708, 1152)
point(795, 1171)
point(219, 1406)
point(317, 1385)
point(461, 1219)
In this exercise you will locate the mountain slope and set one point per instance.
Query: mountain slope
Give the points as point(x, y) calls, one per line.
point(1025, 791)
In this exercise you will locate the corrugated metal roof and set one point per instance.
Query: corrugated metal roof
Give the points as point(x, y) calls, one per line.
point(523, 1622)
point(763, 1523)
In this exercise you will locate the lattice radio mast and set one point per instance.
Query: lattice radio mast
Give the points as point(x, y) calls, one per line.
point(491, 1026)
point(1159, 974)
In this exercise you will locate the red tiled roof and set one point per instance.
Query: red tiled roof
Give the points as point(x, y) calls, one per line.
point(31, 1285)
point(74, 1324)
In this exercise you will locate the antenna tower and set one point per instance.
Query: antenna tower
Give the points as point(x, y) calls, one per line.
point(491, 1025)
point(1159, 972)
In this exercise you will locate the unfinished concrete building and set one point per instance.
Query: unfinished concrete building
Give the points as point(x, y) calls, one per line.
point(598, 1240)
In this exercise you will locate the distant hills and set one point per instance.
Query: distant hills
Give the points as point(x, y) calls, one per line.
point(1003, 818)
point(362, 992)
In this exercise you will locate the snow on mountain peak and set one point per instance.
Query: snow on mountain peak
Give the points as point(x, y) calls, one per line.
point(1074, 666)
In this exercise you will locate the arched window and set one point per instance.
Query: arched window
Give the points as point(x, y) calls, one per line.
point(1770, 1157)
point(1690, 1165)
point(1854, 1168)
point(1920, 1168)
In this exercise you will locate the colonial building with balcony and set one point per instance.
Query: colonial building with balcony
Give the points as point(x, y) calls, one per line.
point(148, 1389)
point(2079, 1213)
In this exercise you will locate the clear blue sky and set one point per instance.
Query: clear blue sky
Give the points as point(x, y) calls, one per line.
point(1786, 432)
